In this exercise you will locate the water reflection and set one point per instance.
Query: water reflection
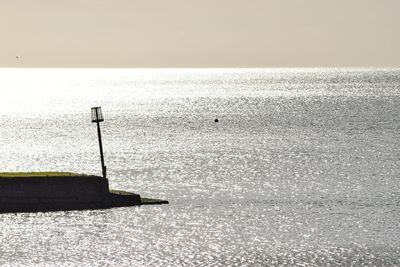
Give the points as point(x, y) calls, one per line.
point(301, 168)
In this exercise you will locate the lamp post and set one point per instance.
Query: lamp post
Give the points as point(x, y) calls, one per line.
point(97, 117)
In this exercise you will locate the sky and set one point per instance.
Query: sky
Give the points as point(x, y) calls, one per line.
point(200, 33)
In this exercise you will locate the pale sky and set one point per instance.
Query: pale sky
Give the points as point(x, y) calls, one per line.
point(200, 33)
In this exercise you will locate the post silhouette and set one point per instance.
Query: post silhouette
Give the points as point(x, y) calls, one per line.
point(97, 117)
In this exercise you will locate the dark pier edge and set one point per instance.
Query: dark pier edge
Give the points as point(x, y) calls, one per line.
point(38, 192)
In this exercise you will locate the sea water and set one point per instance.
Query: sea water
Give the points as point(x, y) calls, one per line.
point(302, 167)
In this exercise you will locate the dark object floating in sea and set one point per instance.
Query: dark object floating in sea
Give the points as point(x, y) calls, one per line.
point(216, 120)
point(59, 191)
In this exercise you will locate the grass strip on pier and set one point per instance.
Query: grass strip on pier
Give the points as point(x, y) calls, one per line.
point(37, 174)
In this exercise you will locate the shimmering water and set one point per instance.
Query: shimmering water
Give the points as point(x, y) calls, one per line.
point(302, 168)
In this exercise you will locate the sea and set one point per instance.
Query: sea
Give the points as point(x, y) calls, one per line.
point(301, 169)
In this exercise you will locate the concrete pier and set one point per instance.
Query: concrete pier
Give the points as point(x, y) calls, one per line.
point(30, 192)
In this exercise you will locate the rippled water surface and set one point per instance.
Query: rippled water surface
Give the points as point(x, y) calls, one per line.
point(301, 169)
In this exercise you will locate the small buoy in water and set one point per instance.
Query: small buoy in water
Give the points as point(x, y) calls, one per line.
point(216, 120)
